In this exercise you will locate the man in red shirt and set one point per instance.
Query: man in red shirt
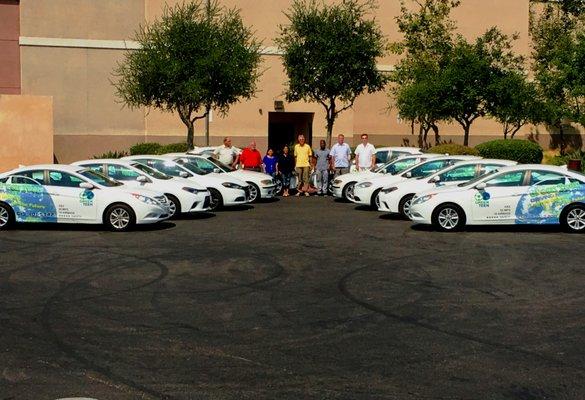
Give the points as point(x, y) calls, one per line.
point(251, 159)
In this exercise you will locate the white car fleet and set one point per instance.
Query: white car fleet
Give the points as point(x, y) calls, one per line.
point(446, 191)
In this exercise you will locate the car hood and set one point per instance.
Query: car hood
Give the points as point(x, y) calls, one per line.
point(357, 176)
point(135, 190)
point(384, 180)
point(244, 175)
point(442, 190)
point(214, 179)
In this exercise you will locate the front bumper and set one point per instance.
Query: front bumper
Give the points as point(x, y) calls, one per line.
point(389, 203)
point(235, 197)
point(363, 196)
point(336, 191)
point(421, 213)
point(150, 214)
point(267, 192)
point(200, 202)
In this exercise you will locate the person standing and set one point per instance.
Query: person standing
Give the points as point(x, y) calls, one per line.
point(227, 154)
point(270, 162)
point(285, 167)
point(365, 155)
point(340, 156)
point(251, 159)
point(302, 154)
point(322, 168)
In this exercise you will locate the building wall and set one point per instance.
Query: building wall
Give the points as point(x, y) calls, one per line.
point(9, 49)
point(26, 131)
point(69, 49)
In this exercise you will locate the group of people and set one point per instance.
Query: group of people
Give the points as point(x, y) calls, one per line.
point(301, 162)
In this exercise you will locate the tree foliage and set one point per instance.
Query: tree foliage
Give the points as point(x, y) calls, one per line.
point(192, 60)
point(330, 54)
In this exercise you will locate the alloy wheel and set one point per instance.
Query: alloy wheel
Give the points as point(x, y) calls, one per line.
point(119, 218)
point(349, 191)
point(575, 219)
point(4, 217)
point(406, 207)
point(253, 193)
point(172, 208)
point(448, 218)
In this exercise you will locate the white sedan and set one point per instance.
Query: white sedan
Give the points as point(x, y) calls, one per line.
point(367, 190)
point(184, 196)
point(522, 194)
point(262, 186)
point(224, 190)
point(397, 198)
point(385, 155)
point(343, 185)
point(73, 194)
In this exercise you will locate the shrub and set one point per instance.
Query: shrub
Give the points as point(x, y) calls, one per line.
point(174, 148)
point(564, 160)
point(112, 154)
point(145, 148)
point(453, 149)
point(522, 151)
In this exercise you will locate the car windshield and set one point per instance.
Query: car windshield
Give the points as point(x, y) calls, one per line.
point(220, 165)
point(151, 171)
point(99, 178)
point(428, 168)
point(397, 166)
point(192, 167)
point(479, 178)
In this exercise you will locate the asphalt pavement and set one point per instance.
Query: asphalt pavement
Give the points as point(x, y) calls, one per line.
point(299, 298)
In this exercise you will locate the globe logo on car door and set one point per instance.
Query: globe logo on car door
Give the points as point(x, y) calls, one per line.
point(86, 198)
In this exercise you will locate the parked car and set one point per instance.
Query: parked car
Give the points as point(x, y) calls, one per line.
point(342, 186)
point(73, 194)
point(522, 194)
point(397, 198)
point(184, 196)
point(385, 155)
point(225, 190)
point(262, 186)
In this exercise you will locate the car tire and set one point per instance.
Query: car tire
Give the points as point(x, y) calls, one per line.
point(404, 205)
point(449, 218)
point(573, 218)
point(119, 217)
point(216, 199)
point(347, 192)
point(254, 198)
point(375, 202)
point(6, 216)
point(174, 205)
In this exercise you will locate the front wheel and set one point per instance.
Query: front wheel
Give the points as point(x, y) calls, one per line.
point(6, 216)
point(448, 218)
point(119, 218)
point(174, 206)
point(573, 219)
point(375, 203)
point(254, 192)
point(216, 199)
point(348, 191)
point(404, 205)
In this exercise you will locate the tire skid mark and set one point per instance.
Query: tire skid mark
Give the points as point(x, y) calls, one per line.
point(72, 352)
point(342, 286)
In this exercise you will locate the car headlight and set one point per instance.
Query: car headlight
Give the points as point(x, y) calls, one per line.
point(146, 199)
point(337, 181)
point(267, 182)
point(193, 190)
point(389, 190)
point(232, 185)
point(364, 185)
point(422, 199)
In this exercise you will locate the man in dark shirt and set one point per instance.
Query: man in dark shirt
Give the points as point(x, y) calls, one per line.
point(285, 167)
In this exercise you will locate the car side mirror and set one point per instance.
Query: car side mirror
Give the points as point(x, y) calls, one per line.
point(86, 185)
point(408, 175)
point(436, 179)
point(480, 186)
point(184, 174)
point(384, 171)
point(216, 170)
point(142, 179)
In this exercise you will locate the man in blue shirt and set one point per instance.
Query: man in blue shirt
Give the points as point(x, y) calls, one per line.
point(340, 156)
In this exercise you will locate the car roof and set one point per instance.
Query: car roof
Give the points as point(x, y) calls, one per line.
point(59, 167)
point(504, 163)
point(102, 161)
point(399, 148)
point(151, 156)
point(542, 167)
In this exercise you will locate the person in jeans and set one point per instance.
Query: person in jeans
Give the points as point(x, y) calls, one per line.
point(365, 155)
point(303, 155)
point(285, 167)
point(340, 156)
point(322, 168)
point(270, 162)
point(251, 159)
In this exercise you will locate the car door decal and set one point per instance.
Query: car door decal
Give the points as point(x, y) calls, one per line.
point(543, 204)
point(31, 203)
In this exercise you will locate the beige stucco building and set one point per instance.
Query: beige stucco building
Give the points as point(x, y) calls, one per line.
point(67, 49)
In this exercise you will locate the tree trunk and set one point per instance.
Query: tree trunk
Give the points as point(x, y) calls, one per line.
point(561, 139)
point(466, 134)
point(435, 129)
point(330, 122)
point(190, 134)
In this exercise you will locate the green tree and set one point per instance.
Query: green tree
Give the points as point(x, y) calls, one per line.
point(427, 36)
point(558, 56)
point(194, 59)
point(330, 54)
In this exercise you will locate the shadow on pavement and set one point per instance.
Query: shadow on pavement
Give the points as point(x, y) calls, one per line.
point(496, 228)
point(243, 207)
point(268, 201)
point(392, 217)
point(196, 216)
point(88, 227)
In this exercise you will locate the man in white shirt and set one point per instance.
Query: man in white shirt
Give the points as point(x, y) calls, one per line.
point(365, 155)
point(340, 156)
point(227, 154)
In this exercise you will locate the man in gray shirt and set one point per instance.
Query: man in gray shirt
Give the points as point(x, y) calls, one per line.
point(322, 168)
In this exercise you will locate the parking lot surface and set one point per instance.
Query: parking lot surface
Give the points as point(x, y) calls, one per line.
point(301, 298)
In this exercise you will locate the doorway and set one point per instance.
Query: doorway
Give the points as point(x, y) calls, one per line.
point(284, 127)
